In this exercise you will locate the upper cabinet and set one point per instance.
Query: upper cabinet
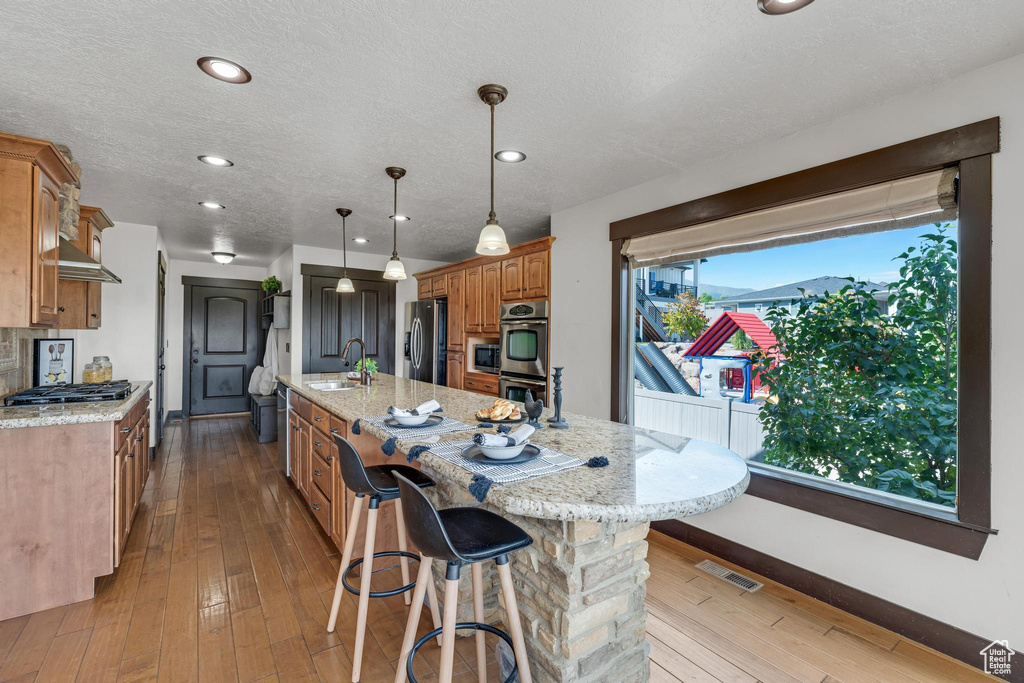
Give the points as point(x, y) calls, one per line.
point(535, 275)
point(474, 321)
point(456, 309)
point(31, 174)
point(512, 279)
point(490, 297)
point(80, 301)
point(424, 288)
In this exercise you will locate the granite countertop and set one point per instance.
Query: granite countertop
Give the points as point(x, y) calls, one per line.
point(651, 475)
point(12, 417)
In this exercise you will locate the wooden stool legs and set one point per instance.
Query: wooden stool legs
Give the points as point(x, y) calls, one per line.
point(478, 615)
point(403, 561)
point(366, 571)
point(346, 557)
point(515, 627)
point(423, 581)
point(451, 605)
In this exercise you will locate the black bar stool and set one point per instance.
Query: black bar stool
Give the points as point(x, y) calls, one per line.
point(460, 536)
point(376, 484)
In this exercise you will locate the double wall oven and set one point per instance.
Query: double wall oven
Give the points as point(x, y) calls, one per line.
point(524, 350)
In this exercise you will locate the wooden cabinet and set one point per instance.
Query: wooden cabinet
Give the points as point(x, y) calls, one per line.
point(512, 279)
point(535, 275)
point(31, 174)
point(339, 507)
point(474, 297)
point(481, 383)
point(131, 470)
point(424, 288)
point(456, 370)
point(80, 302)
point(439, 285)
point(456, 310)
point(490, 297)
point(301, 454)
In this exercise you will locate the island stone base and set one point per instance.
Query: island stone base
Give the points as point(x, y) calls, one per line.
point(580, 587)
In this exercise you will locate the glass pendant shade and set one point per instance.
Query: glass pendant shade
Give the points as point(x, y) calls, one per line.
point(345, 286)
point(492, 240)
point(394, 270)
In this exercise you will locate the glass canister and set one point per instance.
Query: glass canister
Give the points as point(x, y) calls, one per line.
point(92, 373)
point(106, 368)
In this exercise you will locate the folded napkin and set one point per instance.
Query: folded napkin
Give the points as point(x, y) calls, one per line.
point(422, 409)
point(508, 440)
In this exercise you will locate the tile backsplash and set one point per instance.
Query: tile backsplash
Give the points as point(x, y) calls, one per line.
point(16, 350)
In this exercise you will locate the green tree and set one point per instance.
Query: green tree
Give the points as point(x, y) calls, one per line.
point(685, 316)
point(869, 398)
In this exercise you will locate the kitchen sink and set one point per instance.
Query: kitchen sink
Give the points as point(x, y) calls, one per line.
point(333, 386)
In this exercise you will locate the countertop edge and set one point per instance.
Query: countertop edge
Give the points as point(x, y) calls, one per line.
point(527, 507)
point(139, 389)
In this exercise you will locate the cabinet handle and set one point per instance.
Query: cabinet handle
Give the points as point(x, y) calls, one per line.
point(317, 443)
point(95, 315)
point(131, 454)
point(126, 430)
point(335, 430)
point(60, 308)
point(316, 506)
point(139, 437)
point(317, 473)
point(330, 458)
point(318, 419)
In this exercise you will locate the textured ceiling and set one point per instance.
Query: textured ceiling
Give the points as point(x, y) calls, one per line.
point(603, 95)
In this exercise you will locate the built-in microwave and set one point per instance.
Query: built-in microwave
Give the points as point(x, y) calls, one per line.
point(487, 358)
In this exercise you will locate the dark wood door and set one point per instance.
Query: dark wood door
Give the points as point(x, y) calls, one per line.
point(161, 345)
point(224, 349)
point(334, 318)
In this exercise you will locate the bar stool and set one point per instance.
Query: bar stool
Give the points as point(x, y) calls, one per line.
point(460, 536)
point(377, 484)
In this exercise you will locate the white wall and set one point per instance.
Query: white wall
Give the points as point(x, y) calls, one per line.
point(984, 597)
point(174, 316)
point(282, 267)
point(128, 325)
point(304, 255)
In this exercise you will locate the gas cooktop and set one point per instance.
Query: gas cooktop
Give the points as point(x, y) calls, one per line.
point(70, 393)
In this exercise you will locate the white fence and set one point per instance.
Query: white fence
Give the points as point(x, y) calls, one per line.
point(728, 423)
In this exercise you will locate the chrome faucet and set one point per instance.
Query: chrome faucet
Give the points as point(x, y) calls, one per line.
point(364, 374)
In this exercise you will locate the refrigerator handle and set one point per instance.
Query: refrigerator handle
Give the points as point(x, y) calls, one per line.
point(407, 336)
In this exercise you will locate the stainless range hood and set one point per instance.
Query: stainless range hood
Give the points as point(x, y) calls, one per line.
point(75, 264)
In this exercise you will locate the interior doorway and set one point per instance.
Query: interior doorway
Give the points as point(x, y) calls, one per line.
point(221, 344)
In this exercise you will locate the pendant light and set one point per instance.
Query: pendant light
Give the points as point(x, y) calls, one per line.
point(492, 237)
point(344, 284)
point(395, 270)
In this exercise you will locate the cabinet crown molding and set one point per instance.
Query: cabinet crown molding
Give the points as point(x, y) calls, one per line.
point(41, 152)
point(530, 247)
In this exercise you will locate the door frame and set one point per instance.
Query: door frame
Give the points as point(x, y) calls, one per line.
point(160, 388)
point(190, 281)
point(308, 270)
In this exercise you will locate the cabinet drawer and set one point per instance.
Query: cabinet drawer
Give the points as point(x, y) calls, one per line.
point(481, 384)
point(319, 443)
point(320, 418)
point(321, 508)
point(338, 426)
point(321, 475)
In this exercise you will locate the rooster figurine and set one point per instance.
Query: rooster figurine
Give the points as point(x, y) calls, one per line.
point(534, 409)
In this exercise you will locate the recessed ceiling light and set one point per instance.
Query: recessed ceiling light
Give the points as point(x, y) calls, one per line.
point(222, 256)
point(224, 70)
point(214, 161)
point(399, 218)
point(360, 240)
point(211, 205)
point(510, 156)
point(781, 6)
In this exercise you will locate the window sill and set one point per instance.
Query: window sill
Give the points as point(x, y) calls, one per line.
point(913, 521)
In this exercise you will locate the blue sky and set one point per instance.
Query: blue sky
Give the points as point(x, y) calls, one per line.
point(865, 257)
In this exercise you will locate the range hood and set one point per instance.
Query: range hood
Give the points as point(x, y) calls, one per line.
point(75, 264)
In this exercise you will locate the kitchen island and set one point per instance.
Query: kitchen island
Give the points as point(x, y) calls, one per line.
point(581, 584)
point(70, 481)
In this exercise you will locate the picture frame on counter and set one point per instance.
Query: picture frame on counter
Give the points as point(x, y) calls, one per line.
point(53, 361)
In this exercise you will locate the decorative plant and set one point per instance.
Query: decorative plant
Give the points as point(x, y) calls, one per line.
point(371, 365)
point(865, 397)
point(271, 285)
point(685, 316)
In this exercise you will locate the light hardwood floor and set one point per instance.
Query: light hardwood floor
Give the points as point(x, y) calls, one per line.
point(227, 577)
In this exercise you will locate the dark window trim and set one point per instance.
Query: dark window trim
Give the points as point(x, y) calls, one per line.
point(970, 147)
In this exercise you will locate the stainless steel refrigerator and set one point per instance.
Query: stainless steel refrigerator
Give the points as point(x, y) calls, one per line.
point(426, 340)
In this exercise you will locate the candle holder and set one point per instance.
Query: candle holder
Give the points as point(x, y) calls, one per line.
point(556, 421)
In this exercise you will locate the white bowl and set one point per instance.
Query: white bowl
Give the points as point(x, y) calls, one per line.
point(503, 452)
point(411, 420)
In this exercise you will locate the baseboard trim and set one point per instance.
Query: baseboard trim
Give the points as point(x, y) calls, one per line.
point(933, 633)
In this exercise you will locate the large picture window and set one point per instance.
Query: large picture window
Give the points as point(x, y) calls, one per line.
point(832, 327)
point(834, 359)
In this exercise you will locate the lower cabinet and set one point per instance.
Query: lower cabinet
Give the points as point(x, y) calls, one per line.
point(131, 471)
point(456, 370)
point(316, 473)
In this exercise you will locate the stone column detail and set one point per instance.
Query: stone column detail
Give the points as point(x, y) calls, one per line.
point(69, 196)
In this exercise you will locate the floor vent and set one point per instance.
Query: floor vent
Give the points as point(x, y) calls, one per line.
point(729, 575)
